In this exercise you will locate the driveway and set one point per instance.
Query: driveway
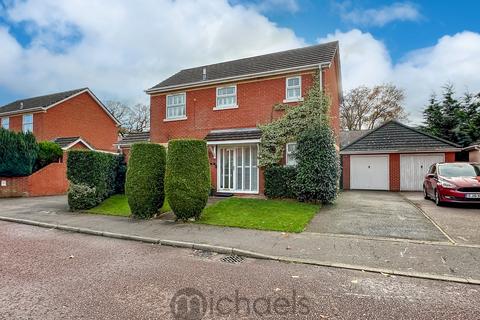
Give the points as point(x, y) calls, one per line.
point(460, 222)
point(52, 205)
point(375, 214)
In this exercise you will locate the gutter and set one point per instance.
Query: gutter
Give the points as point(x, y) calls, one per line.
point(236, 78)
point(32, 110)
point(367, 152)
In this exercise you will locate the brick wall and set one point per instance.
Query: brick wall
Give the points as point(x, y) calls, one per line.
point(78, 116)
point(346, 171)
point(48, 181)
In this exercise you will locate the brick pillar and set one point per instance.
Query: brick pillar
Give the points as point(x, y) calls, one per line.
point(394, 168)
point(346, 172)
point(449, 156)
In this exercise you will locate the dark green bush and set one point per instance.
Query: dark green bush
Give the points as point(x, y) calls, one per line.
point(18, 152)
point(48, 152)
point(81, 197)
point(145, 177)
point(280, 182)
point(187, 179)
point(318, 166)
point(93, 169)
point(121, 175)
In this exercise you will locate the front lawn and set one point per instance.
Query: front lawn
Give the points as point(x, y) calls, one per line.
point(117, 205)
point(275, 215)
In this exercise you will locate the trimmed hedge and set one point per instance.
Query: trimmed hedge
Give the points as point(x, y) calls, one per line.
point(280, 182)
point(18, 153)
point(93, 169)
point(48, 152)
point(318, 168)
point(121, 175)
point(187, 179)
point(145, 176)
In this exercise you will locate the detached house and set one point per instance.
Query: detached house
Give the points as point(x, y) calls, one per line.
point(224, 103)
point(73, 119)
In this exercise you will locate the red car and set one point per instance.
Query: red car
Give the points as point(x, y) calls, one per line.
point(453, 182)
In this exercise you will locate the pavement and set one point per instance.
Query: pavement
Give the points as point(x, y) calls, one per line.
point(428, 259)
point(375, 214)
point(51, 274)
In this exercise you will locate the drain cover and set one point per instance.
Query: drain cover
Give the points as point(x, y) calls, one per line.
point(233, 259)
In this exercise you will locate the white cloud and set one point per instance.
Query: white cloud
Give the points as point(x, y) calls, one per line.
point(365, 61)
point(125, 47)
point(399, 11)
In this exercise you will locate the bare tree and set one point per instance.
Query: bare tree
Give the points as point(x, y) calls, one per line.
point(133, 119)
point(366, 108)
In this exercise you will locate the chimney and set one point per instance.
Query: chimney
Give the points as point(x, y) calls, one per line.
point(204, 73)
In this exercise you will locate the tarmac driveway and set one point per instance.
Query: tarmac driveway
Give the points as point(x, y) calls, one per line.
point(375, 214)
point(50, 205)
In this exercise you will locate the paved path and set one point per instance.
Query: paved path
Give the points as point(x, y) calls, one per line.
point(50, 274)
point(375, 214)
point(432, 258)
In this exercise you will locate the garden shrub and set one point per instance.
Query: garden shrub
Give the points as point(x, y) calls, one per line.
point(94, 169)
point(318, 166)
point(18, 153)
point(280, 182)
point(81, 197)
point(121, 175)
point(48, 152)
point(187, 179)
point(144, 185)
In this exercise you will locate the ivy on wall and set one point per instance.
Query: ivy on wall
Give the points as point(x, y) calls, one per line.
point(312, 111)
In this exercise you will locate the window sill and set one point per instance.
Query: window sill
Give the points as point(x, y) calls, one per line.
point(293, 100)
point(174, 119)
point(225, 108)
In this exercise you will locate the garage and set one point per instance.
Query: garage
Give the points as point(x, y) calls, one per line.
point(392, 157)
point(414, 167)
point(369, 172)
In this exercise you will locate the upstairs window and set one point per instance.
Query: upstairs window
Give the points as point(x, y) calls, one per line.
point(27, 124)
point(226, 97)
point(6, 123)
point(290, 154)
point(293, 88)
point(176, 106)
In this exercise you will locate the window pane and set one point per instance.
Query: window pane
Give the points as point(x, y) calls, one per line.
point(246, 157)
point(293, 82)
point(247, 179)
point(254, 155)
point(254, 179)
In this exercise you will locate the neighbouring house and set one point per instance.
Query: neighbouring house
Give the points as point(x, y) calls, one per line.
point(225, 102)
point(393, 157)
point(473, 152)
point(74, 119)
point(348, 136)
point(125, 143)
point(71, 115)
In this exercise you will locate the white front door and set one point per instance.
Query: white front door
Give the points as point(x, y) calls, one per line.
point(414, 167)
point(369, 172)
point(237, 169)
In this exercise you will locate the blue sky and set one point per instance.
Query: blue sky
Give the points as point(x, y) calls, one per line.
point(119, 48)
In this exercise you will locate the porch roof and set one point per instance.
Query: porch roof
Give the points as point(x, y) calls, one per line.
point(234, 134)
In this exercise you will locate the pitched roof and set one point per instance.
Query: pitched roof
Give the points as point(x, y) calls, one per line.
point(38, 102)
point(302, 57)
point(393, 136)
point(68, 142)
point(348, 136)
point(134, 137)
point(234, 134)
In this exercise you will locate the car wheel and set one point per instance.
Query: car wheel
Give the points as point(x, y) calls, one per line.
point(438, 202)
point(425, 194)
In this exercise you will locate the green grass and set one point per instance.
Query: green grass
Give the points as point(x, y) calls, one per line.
point(117, 205)
point(275, 215)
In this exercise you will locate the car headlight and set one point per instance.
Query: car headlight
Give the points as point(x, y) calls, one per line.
point(446, 184)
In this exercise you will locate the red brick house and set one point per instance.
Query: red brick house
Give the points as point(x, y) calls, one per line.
point(225, 102)
point(74, 119)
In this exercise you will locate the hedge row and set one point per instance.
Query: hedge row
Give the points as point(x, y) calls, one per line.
point(18, 153)
point(187, 178)
point(144, 185)
point(95, 170)
point(280, 182)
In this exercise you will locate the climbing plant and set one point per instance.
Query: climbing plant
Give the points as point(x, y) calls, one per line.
point(312, 111)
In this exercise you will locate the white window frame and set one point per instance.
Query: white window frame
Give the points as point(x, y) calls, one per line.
point(226, 106)
point(29, 123)
point(289, 157)
point(184, 104)
point(5, 123)
point(287, 87)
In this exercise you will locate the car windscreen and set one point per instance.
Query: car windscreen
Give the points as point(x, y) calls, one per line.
point(451, 170)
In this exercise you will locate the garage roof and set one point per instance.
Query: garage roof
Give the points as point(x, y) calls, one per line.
point(394, 136)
